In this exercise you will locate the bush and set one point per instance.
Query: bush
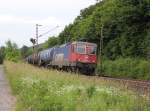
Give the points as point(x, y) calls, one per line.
point(12, 52)
point(1, 59)
point(126, 68)
point(1, 55)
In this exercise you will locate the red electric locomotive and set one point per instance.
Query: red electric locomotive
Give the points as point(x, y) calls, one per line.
point(77, 56)
point(83, 54)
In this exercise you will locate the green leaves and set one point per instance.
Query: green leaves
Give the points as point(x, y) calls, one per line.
point(2, 54)
point(126, 68)
point(52, 41)
point(12, 52)
point(126, 26)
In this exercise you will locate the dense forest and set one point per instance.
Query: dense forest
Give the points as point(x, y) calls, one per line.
point(125, 23)
point(125, 28)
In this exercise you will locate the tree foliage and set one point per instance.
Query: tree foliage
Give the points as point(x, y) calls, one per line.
point(52, 41)
point(12, 52)
point(25, 51)
point(126, 27)
point(2, 54)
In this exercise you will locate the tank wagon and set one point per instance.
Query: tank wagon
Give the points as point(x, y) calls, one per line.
point(75, 56)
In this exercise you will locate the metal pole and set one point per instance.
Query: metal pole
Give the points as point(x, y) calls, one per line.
point(37, 34)
point(33, 53)
point(101, 50)
point(37, 37)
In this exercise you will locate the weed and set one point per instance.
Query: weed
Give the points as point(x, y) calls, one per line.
point(47, 90)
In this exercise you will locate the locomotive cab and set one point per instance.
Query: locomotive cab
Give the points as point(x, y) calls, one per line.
point(84, 55)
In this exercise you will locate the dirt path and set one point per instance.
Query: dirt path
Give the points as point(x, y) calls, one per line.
point(7, 101)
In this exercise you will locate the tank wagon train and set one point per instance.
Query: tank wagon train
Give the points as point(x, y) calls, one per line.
point(74, 56)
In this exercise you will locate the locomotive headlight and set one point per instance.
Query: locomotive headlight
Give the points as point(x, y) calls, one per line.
point(86, 57)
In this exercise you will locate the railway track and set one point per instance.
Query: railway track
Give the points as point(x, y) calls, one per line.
point(141, 87)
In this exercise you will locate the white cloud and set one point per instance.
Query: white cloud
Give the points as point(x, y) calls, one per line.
point(31, 4)
point(18, 28)
point(18, 17)
point(9, 19)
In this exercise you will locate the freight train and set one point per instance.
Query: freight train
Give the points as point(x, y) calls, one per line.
point(74, 56)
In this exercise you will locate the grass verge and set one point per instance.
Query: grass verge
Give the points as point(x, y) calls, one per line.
point(39, 89)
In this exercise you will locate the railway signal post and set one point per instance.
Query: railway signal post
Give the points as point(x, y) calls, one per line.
point(33, 42)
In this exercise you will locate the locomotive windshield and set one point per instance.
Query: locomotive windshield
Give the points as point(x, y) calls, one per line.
point(81, 48)
point(85, 48)
point(90, 49)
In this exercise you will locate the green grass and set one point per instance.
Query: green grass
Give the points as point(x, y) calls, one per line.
point(127, 67)
point(47, 90)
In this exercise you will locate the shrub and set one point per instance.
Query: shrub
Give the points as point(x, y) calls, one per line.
point(126, 68)
point(1, 59)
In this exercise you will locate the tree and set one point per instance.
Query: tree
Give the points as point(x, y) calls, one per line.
point(24, 51)
point(126, 27)
point(2, 54)
point(12, 52)
point(52, 41)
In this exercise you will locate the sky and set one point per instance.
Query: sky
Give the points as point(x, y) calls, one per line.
point(18, 18)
